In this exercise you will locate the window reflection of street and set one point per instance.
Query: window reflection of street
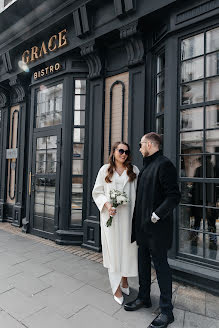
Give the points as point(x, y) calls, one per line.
point(199, 146)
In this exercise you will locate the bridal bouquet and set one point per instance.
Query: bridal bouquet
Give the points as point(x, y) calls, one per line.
point(117, 198)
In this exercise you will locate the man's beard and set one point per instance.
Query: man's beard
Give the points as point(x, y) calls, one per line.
point(146, 154)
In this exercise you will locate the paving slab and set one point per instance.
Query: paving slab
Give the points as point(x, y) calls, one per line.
point(46, 319)
point(97, 319)
point(193, 320)
point(61, 281)
point(7, 321)
point(27, 284)
point(88, 295)
point(18, 305)
point(32, 268)
point(190, 299)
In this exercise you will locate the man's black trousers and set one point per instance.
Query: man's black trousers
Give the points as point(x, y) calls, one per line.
point(164, 276)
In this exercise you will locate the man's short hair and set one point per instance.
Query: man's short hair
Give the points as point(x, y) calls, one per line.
point(154, 138)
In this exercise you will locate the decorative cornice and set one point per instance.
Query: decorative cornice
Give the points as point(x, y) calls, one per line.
point(128, 30)
point(4, 99)
point(133, 43)
point(92, 57)
point(18, 91)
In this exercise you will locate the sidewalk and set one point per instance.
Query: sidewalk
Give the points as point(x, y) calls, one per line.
point(44, 285)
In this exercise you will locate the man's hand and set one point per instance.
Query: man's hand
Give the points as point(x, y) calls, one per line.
point(154, 218)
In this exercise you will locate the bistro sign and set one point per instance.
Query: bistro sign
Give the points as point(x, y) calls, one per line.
point(47, 70)
point(56, 42)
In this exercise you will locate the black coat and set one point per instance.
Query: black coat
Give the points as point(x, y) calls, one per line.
point(157, 191)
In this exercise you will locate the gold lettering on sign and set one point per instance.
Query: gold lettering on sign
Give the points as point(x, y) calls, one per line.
point(62, 38)
point(51, 45)
point(55, 42)
point(43, 50)
point(26, 57)
point(46, 71)
point(34, 53)
point(57, 67)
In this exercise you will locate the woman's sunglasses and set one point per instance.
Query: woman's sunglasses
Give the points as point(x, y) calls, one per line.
point(122, 151)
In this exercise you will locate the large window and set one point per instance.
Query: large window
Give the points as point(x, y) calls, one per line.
point(199, 146)
point(160, 82)
point(78, 151)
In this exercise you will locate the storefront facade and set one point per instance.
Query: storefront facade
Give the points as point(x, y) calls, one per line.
point(76, 76)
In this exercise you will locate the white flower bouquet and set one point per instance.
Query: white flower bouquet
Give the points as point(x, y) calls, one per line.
point(117, 198)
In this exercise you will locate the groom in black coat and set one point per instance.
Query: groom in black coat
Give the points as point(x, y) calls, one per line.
point(157, 195)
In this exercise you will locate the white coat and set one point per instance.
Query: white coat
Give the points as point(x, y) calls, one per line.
point(119, 254)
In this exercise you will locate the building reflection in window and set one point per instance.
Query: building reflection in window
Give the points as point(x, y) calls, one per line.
point(78, 151)
point(199, 146)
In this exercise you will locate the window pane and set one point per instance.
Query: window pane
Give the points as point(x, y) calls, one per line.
point(80, 86)
point(191, 142)
point(212, 239)
point(77, 166)
point(49, 106)
point(212, 64)
point(194, 192)
point(161, 62)
point(212, 116)
point(212, 194)
point(78, 135)
point(192, 47)
point(212, 40)
point(160, 82)
point(41, 143)
point(184, 214)
point(192, 70)
point(79, 117)
point(212, 89)
point(77, 198)
point(49, 211)
point(190, 165)
point(190, 242)
point(192, 93)
point(160, 125)
point(160, 102)
point(79, 102)
point(191, 119)
point(212, 166)
point(78, 151)
point(212, 141)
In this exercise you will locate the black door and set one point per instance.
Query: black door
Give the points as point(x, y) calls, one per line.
point(44, 185)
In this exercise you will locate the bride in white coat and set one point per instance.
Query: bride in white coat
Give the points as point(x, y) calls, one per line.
point(119, 254)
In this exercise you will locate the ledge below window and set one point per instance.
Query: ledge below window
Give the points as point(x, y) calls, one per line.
point(196, 275)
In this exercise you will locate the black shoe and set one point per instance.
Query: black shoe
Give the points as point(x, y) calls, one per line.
point(161, 321)
point(137, 304)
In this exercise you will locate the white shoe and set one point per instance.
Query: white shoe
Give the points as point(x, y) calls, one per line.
point(126, 291)
point(119, 299)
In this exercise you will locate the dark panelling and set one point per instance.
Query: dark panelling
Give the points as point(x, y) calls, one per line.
point(118, 7)
point(115, 58)
point(136, 116)
point(77, 23)
point(81, 21)
point(7, 62)
point(129, 5)
point(95, 151)
point(197, 11)
point(123, 7)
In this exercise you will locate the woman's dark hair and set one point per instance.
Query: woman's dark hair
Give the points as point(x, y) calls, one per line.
point(127, 163)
